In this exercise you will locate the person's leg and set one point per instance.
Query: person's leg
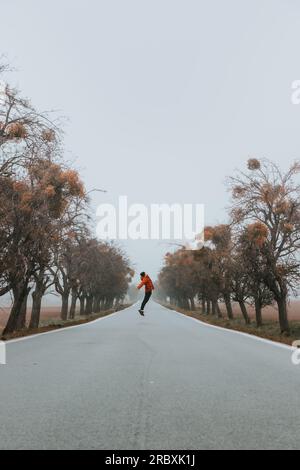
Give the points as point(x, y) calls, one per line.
point(146, 300)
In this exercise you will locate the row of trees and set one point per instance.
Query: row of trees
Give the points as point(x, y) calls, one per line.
point(45, 241)
point(254, 259)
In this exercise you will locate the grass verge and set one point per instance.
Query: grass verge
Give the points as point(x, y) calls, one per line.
point(269, 330)
point(57, 324)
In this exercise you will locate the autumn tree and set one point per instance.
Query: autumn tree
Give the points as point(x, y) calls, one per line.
point(178, 279)
point(268, 201)
point(44, 236)
point(249, 257)
point(32, 220)
point(219, 238)
point(22, 125)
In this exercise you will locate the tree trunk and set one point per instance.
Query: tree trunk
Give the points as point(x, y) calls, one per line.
point(99, 304)
point(37, 296)
point(20, 292)
point(193, 306)
point(96, 307)
point(82, 305)
point(203, 305)
point(73, 303)
point(244, 312)
point(283, 316)
point(89, 305)
point(64, 306)
point(258, 312)
point(228, 306)
point(94, 304)
point(21, 322)
point(208, 307)
point(219, 313)
point(216, 309)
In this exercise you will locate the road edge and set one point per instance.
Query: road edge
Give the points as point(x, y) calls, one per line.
point(38, 335)
point(228, 330)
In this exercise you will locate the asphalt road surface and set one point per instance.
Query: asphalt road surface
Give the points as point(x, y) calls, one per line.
point(159, 382)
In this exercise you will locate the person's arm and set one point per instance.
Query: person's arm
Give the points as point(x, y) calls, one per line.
point(141, 284)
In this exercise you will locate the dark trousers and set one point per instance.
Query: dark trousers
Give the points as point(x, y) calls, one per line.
point(146, 299)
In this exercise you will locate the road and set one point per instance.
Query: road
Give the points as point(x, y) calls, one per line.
point(160, 382)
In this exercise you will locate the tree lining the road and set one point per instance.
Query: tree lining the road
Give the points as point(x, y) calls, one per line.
point(45, 239)
point(254, 259)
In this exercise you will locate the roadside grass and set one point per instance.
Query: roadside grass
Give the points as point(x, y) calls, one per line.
point(56, 324)
point(270, 329)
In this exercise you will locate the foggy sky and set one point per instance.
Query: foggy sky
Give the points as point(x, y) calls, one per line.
point(165, 98)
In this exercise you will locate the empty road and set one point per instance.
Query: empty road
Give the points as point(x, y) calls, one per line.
point(159, 382)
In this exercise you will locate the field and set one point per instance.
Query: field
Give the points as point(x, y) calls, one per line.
point(269, 330)
point(269, 313)
point(49, 315)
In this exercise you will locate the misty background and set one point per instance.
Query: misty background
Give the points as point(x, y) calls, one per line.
point(165, 98)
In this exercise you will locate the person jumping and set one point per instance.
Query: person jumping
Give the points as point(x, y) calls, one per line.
point(149, 288)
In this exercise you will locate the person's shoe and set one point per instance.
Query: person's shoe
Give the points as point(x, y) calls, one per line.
point(141, 312)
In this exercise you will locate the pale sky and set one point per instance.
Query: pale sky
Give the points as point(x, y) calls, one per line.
point(165, 98)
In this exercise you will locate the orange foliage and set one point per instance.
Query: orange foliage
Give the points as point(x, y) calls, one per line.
point(257, 233)
point(268, 193)
point(71, 234)
point(19, 186)
point(281, 270)
point(282, 207)
point(27, 197)
point(253, 164)
point(238, 191)
point(17, 130)
point(208, 233)
point(48, 135)
point(288, 227)
point(71, 178)
point(50, 191)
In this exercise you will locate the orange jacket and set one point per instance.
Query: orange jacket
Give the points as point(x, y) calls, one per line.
point(146, 281)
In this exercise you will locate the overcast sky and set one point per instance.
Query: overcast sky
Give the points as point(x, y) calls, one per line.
point(164, 97)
